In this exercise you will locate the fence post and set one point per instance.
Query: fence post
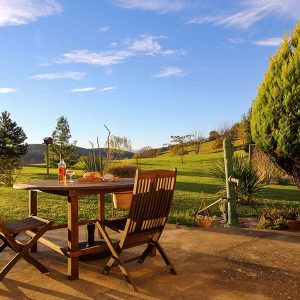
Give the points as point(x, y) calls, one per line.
point(232, 219)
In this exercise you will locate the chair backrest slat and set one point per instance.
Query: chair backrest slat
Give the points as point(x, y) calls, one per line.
point(151, 201)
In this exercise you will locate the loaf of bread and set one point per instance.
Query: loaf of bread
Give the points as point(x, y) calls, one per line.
point(90, 179)
point(94, 174)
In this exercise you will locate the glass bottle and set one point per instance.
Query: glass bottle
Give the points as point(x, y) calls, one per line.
point(62, 169)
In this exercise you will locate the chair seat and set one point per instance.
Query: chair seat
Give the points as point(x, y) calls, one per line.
point(116, 224)
point(23, 225)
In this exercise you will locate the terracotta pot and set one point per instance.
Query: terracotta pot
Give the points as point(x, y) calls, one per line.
point(122, 200)
point(293, 224)
point(204, 223)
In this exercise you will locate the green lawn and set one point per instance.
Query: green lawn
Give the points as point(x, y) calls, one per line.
point(193, 178)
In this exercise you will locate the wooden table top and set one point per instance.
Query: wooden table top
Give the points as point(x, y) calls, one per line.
point(48, 185)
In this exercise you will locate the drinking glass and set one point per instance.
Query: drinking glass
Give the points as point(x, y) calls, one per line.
point(70, 173)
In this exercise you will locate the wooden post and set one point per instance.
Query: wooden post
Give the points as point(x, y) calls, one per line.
point(101, 210)
point(250, 153)
point(231, 194)
point(47, 159)
point(73, 263)
point(33, 212)
point(48, 141)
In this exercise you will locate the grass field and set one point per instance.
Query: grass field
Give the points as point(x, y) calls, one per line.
point(193, 178)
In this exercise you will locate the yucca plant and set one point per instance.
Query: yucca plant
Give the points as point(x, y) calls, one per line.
point(250, 182)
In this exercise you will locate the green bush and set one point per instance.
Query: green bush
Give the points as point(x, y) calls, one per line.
point(277, 218)
point(182, 216)
point(123, 170)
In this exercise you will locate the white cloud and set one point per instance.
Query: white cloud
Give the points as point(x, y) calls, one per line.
point(170, 71)
point(86, 89)
point(145, 45)
point(6, 90)
point(148, 45)
point(254, 11)
point(62, 75)
point(108, 88)
point(270, 42)
point(103, 58)
point(19, 12)
point(205, 20)
point(104, 29)
point(162, 6)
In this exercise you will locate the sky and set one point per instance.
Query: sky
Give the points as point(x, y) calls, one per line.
point(148, 69)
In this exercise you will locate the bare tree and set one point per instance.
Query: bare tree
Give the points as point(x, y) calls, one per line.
point(197, 140)
point(119, 145)
point(225, 130)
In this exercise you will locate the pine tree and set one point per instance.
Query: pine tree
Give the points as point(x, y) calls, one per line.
point(12, 148)
point(275, 121)
point(61, 144)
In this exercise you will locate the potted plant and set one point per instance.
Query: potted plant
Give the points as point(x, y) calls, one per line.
point(202, 217)
point(122, 200)
point(292, 220)
point(204, 220)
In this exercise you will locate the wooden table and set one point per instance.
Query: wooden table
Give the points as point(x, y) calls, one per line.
point(73, 191)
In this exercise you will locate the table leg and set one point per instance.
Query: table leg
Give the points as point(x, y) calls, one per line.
point(101, 210)
point(33, 212)
point(73, 263)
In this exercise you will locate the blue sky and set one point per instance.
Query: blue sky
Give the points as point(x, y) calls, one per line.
point(147, 69)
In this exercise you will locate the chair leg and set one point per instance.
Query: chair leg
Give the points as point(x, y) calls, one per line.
point(9, 266)
point(126, 275)
point(146, 252)
point(165, 258)
point(115, 259)
point(108, 266)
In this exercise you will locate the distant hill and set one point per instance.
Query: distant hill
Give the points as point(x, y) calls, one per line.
point(36, 153)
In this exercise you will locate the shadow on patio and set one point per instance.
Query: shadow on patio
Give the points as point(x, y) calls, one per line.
point(212, 263)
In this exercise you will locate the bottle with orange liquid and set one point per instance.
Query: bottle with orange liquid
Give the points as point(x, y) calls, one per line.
point(62, 169)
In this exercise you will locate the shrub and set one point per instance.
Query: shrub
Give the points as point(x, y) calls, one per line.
point(277, 218)
point(182, 216)
point(9, 171)
point(123, 170)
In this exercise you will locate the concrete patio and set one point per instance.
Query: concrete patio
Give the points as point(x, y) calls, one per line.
point(213, 263)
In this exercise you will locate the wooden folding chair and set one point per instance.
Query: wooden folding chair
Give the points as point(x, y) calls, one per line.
point(8, 234)
point(148, 213)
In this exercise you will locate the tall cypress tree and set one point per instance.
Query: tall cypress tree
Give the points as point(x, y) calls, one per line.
point(275, 121)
